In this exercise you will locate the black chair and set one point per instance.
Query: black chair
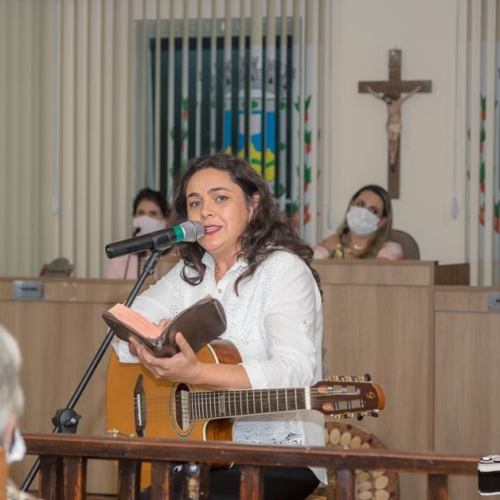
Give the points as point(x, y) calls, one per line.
point(407, 242)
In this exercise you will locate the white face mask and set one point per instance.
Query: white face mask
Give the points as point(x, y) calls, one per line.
point(361, 221)
point(147, 224)
point(17, 449)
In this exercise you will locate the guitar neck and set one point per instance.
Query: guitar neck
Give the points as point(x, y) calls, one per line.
point(205, 405)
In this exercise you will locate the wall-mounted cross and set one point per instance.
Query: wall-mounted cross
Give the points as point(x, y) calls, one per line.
point(390, 92)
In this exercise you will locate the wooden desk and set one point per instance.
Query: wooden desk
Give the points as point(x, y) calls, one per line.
point(58, 337)
point(378, 319)
point(467, 375)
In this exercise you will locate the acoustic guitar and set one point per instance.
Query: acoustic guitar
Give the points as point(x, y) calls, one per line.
point(139, 405)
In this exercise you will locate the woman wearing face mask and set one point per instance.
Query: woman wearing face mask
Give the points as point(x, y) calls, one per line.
point(11, 407)
point(150, 211)
point(365, 230)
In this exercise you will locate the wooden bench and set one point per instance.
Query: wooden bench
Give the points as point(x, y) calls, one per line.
point(63, 463)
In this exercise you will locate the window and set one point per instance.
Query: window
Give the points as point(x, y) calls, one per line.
point(218, 92)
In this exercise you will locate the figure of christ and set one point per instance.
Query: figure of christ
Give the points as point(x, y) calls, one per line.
point(394, 123)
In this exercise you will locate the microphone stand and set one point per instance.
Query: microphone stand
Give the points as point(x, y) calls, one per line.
point(66, 419)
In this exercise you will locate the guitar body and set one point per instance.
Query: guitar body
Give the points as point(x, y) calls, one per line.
point(131, 384)
point(139, 405)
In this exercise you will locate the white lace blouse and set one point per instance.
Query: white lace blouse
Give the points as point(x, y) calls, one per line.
point(275, 322)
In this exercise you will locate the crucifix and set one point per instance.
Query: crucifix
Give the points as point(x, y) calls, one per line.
point(390, 92)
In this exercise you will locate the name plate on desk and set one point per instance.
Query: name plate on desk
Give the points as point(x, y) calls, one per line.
point(27, 290)
point(494, 301)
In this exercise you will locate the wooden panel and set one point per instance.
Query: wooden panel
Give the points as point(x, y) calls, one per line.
point(74, 290)
point(415, 273)
point(463, 299)
point(452, 274)
point(373, 272)
point(389, 336)
point(467, 395)
point(386, 331)
point(58, 340)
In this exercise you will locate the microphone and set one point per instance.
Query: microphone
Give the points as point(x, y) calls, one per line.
point(344, 232)
point(163, 239)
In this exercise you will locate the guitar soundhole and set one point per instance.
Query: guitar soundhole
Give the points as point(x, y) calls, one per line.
point(182, 417)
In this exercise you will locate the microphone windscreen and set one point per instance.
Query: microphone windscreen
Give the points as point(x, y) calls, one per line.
point(193, 230)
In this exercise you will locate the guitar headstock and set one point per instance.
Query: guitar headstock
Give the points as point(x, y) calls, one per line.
point(348, 397)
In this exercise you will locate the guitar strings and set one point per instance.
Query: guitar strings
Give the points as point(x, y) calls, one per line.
point(206, 405)
point(243, 392)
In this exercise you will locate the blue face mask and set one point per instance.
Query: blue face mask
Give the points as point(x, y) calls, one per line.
point(361, 221)
point(17, 448)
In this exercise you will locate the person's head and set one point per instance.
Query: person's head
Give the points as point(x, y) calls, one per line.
point(369, 213)
point(238, 211)
point(150, 211)
point(224, 193)
point(11, 394)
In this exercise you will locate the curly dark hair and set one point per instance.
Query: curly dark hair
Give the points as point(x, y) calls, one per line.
point(154, 196)
point(266, 232)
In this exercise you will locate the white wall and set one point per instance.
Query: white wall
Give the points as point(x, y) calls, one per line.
point(364, 32)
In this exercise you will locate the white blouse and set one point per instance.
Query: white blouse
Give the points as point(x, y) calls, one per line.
point(275, 322)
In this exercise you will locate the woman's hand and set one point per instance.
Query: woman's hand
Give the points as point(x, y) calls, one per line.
point(162, 325)
point(183, 367)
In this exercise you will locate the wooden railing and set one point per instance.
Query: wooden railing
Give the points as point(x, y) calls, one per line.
point(63, 465)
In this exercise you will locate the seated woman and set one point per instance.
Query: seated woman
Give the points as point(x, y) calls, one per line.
point(150, 210)
point(365, 230)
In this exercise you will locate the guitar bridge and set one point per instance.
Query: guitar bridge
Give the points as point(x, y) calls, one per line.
point(139, 408)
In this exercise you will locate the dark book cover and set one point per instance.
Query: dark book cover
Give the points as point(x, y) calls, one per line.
point(200, 323)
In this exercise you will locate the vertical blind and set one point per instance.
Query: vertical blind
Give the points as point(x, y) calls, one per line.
point(480, 136)
point(100, 98)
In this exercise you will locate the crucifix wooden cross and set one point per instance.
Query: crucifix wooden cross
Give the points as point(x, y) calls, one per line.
point(390, 92)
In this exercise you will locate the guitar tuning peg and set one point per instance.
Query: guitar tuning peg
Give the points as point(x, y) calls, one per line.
point(374, 413)
point(367, 377)
point(360, 417)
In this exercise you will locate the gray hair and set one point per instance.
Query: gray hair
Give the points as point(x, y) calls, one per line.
point(11, 393)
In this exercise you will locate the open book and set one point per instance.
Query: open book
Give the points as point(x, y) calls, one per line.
point(200, 323)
